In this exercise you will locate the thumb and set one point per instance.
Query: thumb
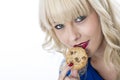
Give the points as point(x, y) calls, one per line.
point(74, 73)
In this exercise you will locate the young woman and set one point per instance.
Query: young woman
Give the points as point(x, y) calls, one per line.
point(95, 24)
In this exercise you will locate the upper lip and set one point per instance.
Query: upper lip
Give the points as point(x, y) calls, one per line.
point(82, 44)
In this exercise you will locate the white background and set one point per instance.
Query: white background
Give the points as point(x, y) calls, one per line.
point(21, 55)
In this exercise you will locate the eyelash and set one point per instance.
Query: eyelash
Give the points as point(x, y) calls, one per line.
point(59, 26)
point(77, 20)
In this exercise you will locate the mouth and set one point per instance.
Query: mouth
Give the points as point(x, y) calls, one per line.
point(83, 44)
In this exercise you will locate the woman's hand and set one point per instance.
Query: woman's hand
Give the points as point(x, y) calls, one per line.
point(73, 73)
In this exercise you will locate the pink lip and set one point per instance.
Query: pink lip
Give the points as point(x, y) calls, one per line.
point(83, 44)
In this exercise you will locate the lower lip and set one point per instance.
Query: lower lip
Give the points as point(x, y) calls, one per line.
point(83, 45)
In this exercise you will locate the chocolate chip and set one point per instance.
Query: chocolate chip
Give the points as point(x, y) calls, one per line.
point(77, 59)
point(71, 52)
point(84, 58)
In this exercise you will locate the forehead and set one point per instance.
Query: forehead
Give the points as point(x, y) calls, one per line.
point(60, 11)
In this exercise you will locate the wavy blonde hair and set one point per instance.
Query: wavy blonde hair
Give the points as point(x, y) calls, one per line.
point(61, 11)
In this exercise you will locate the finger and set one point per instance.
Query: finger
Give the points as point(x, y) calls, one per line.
point(74, 73)
point(72, 78)
point(64, 72)
point(67, 78)
point(68, 73)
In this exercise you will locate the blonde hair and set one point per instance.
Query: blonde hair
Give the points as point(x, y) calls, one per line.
point(64, 10)
point(110, 23)
point(56, 11)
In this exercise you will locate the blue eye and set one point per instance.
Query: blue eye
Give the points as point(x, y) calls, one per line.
point(59, 26)
point(80, 18)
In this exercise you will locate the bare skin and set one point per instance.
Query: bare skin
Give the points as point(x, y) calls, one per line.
point(73, 75)
point(81, 30)
point(97, 61)
point(106, 72)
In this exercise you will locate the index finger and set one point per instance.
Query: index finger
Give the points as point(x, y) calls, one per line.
point(63, 73)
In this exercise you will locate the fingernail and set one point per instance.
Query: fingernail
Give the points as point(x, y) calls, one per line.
point(71, 64)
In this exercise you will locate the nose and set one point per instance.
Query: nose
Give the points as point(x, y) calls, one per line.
point(73, 32)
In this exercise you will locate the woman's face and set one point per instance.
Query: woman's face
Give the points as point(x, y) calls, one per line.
point(84, 31)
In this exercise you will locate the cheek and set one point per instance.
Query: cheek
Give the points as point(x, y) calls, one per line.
point(61, 37)
point(92, 28)
point(58, 35)
point(95, 34)
point(92, 25)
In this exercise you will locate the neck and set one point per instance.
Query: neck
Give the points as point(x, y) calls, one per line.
point(97, 61)
point(99, 54)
